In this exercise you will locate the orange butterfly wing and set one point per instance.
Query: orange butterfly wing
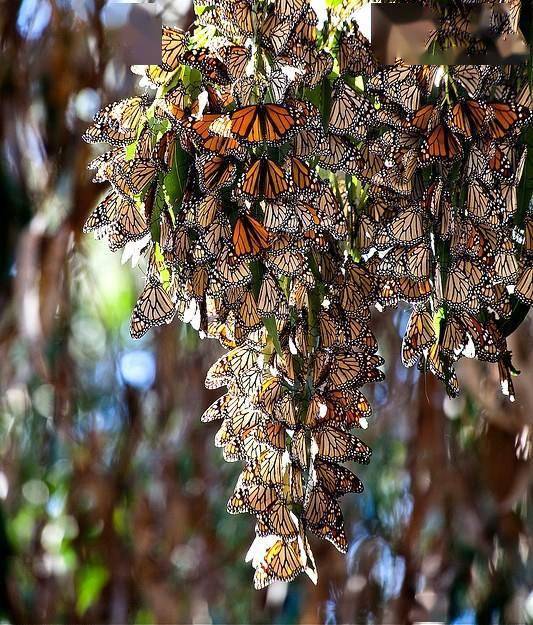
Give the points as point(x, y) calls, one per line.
point(249, 236)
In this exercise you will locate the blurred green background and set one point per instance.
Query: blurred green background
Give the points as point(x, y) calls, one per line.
point(112, 495)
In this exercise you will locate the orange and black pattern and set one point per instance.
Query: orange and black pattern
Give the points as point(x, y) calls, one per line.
point(280, 182)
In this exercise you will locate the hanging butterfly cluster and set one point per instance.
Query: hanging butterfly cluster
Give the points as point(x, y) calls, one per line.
point(279, 182)
point(288, 414)
point(440, 222)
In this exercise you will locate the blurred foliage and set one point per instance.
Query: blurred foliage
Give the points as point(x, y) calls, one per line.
point(112, 497)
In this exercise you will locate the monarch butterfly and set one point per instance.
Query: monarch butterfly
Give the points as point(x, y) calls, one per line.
point(154, 307)
point(453, 337)
point(452, 32)
point(289, 8)
point(263, 180)
point(504, 118)
point(509, 188)
point(155, 75)
point(329, 329)
point(505, 368)
point(488, 341)
point(323, 516)
point(203, 125)
point(233, 450)
point(499, 165)
point(429, 76)
point(218, 409)
point(140, 173)
point(356, 369)
point(282, 561)
point(524, 286)
point(355, 55)
point(163, 153)
point(271, 393)
point(483, 204)
point(505, 19)
point(425, 118)
point(473, 78)
point(231, 443)
point(240, 421)
point(128, 113)
point(369, 163)
point(285, 255)
point(240, 14)
point(302, 178)
point(178, 107)
point(273, 433)
point(505, 263)
point(211, 67)
point(275, 32)
point(330, 214)
point(215, 172)
point(105, 214)
point(408, 227)
point(271, 299)
point(271, 466)
point(477, 166)
point(419, 336)
point(243, 90)
point(441, 143)
point(262, 123)
point(280, 216)
point(358, 285)
point(215, 236)
point(224, 146)
point(278, 84)
point(249, 236)
point(457, 288)
point(528, 234)
point(467, 117)
point(278, 520)
point(109, 132)
point(231, 365)
point(340, 153)
point(351, 113)
point(309, 142)
point(318, 66)
point(336, 479)
point(103, 164)
point(400, 83)
point(304, 219)
point(439, 365)
point(174, 45)
point(251, 497)
point(305, 28)
point(130, 225)
point(338, 446)
point(414, 291)
point(236, 59)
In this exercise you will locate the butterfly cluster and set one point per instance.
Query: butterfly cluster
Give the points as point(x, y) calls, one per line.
point(279, 181)
point(440, 224)
point(288, 415)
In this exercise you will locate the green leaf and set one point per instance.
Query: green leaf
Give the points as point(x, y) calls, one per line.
point(164, 273)
point(437, 321)
point(174, 182)
point(130, 151)
point(272, 330)
point(91, 580)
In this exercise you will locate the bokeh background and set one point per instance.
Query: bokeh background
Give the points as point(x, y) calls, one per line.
point(112, 495)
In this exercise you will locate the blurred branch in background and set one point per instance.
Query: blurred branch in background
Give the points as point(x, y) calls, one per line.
point(112, 497)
